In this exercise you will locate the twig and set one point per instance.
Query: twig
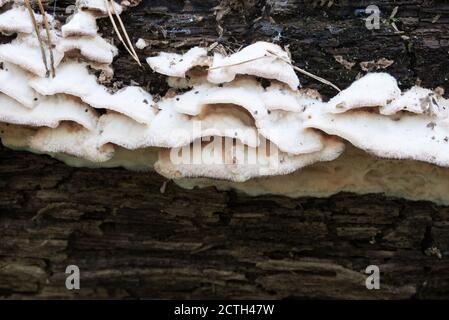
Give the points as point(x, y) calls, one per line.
point(50, 45)
point(39, 38)
point(125, 32)
point(238, 63)
point(119, 35)
point(307, 73)
point(131, 51)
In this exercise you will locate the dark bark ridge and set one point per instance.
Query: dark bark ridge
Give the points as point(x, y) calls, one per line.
point(130, 240)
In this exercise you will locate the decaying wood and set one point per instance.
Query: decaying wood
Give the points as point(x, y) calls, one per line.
point(131, 240)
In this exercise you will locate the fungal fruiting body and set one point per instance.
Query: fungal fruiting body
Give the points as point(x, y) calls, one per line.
point(412, 125)
point(225, 127)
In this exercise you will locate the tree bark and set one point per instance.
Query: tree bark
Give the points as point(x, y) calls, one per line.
point(133, 239)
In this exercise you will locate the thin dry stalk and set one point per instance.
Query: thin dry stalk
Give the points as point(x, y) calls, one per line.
point(307, 73)
point(39, 38)
point(125, 33)
point(47, 30)
point(237, 63)
point(131, 51)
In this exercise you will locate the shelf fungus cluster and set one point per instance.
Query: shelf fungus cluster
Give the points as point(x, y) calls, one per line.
point(233, 121)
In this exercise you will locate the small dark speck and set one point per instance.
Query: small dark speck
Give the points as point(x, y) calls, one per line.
point(434, 101)
point(145, 101)
point(433, 138)
point(220, 85)
point(177, 99)
point(431, 125)
point(269, 111)
point(85, 110)
point(196, 92)
point(255, 112)
point(35, 99)
point(265, 83)
point(446, 139)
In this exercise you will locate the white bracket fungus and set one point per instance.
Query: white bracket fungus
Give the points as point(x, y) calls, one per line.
point(14, 83)
point(95, 48)
point(172, 129)
point(354, 171)
point(73, 140)
point(131, 101)
point(98, 7)
point(48, 112)
point(177, 65)
point(418, 100)
point(234, 162)
point(27, 55)
point(18, 20)
point(222, 69)
point(261, 59)
point(284, 128)
point(82, 23)
point(412, 135)
point(16, 137)
point(372, 90)
point(226, 126)
point(72, 77)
